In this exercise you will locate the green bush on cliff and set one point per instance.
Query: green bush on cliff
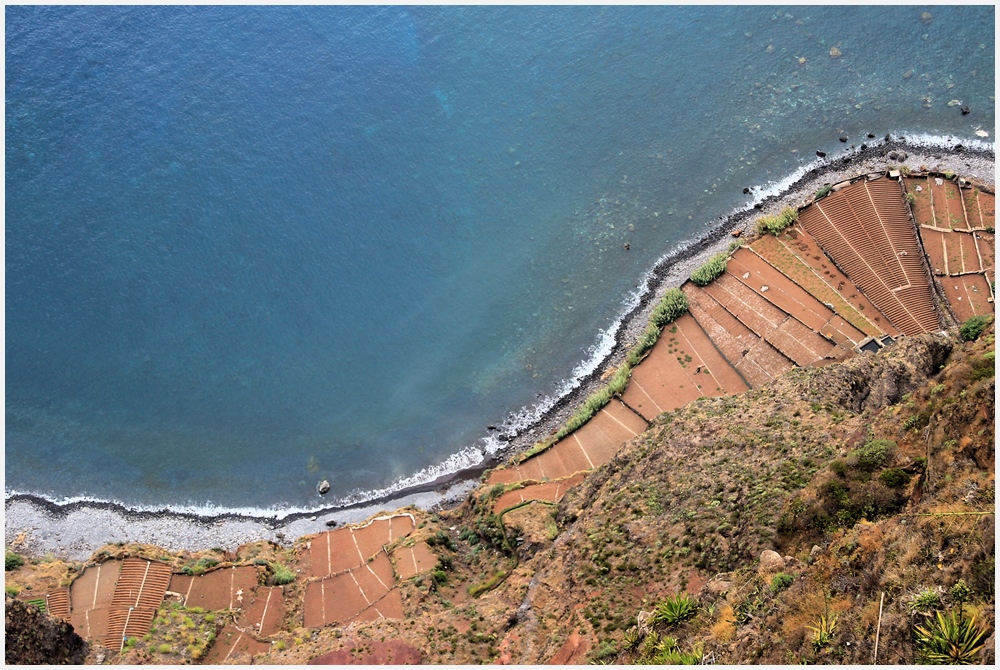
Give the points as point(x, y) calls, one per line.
point(673, 305)
point(282, 575)
point(12, 561)
point(710, 270)
point(974, 327)
point(776, 224)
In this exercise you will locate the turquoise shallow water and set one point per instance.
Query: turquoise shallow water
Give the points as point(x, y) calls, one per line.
point(249, 248)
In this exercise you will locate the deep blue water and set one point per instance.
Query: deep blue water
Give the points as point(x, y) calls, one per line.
point(250, 248)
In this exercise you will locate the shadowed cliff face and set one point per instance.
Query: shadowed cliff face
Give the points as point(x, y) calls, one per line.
point(34, 638)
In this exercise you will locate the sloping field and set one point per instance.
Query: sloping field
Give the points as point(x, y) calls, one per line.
point(755, 359)
point(865, 229)
point(763, 278)
point(232, 644)
point(549, 492)
point(228, 588)
point(412, 561)
point(682, 366)
point(57, 603)
point(339, 598)
point(266, 611)
point(95, 587)
point(949, 210)
point(785, 333)
point(346, 548)
point(589, 447)
point(968, 295)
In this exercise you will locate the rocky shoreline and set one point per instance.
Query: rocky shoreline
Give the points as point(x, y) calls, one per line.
point(75, 530)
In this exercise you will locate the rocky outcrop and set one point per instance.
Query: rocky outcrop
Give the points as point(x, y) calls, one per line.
point(34, 638)
point(872, 381)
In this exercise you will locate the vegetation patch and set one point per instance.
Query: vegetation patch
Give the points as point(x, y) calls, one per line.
point(974, 327)
point(711, 270)
point(779, 222)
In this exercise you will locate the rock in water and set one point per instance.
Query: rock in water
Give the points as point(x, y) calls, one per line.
point(966, 109)
point(323, 487)
point(835, 52)
point(926, 17)
point(843, 138)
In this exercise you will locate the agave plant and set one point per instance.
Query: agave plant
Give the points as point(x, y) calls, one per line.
point(633, 636)
point(951, 639)
point(675, 609)
point(823, 631)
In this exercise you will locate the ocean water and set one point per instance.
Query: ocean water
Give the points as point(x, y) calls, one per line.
point(249, 248)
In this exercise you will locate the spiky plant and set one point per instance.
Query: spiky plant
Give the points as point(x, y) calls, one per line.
point(632, 638)
point(950, 639)
point(823, 631)
point(675, 609)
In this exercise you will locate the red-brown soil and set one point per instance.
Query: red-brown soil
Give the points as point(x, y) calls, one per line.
point(371, 652)
point(233, 644)
point(412, 561)
point(227, 588)
point(549, 491)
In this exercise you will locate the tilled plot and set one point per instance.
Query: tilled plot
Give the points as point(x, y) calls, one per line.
point(57, 603)
point(549, 492)
point(412, 561)
point(774, 251)
point(763, 278)
point(125, 623)
point(228, 588)
point(140, 589)
point(866, 230)
point(968, 295)
point(756, 360)
point(682, 366)
point(787, 334)
point(339, 598)
point(266, 611)
point(807, 250)
point(232, 644)
point(95, 587)
point(586, 448)
point(346, 548)
point(949, 211)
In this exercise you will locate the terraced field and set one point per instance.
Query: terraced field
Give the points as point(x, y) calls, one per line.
point(848, 275)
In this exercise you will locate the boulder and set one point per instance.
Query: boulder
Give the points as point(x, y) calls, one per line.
point(323, 487)
point(771, 561)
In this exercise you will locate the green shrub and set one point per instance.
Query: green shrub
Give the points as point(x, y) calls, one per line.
point(952, 639)
point(673, 305)
point(165, 649)
point(872, 455)
point(839, 468)
point(823, 192)
point(12, 561)
point(675, 609)
point(282, 575)
point(894, 478)
point(710, 270)
point(777, 223)
point(926, 602)
point(199, 566)
point(12, 591)
point(974, 327)
point(781, 581)
point(984, 367)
